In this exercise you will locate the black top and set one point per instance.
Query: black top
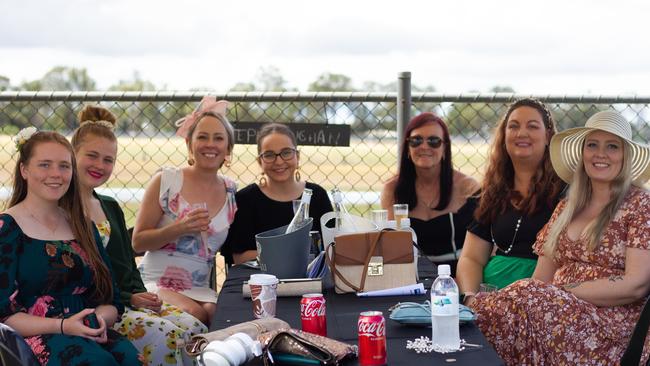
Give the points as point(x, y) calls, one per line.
point(504, 228)
point(434, 236)
point(257, 213)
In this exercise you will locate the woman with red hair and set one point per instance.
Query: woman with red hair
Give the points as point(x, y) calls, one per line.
point(439, 197)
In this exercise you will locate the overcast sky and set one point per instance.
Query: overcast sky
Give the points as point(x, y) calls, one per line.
point(550, 46)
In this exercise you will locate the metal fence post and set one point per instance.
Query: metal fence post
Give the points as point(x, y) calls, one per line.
point(403, 107)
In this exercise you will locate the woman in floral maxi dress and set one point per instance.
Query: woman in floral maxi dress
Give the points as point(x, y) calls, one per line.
point(592, 277)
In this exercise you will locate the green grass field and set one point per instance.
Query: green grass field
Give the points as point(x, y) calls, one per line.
point(363, 167)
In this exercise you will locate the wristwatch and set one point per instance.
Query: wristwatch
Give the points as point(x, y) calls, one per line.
point(464, 296)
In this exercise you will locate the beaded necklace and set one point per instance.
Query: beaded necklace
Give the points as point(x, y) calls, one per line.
point(512, 242)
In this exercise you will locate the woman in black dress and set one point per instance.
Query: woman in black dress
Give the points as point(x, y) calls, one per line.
point(268, 204)
point(439, 197)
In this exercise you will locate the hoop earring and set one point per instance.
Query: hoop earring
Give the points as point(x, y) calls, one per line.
point(263, 181)
point(190, 161)
point(297, 174)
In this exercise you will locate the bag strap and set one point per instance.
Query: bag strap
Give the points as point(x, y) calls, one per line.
point(369, 256)
point(332, 262)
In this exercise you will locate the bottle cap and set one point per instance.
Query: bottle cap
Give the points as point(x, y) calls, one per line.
point(444, 269)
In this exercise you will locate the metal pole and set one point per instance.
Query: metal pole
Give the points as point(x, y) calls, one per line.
point(403, 107)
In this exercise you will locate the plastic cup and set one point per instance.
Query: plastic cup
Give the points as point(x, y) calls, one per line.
point(400, 211)
point(263, 295)
point(379, 217)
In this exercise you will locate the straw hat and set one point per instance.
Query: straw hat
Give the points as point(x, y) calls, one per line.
point(566, 146)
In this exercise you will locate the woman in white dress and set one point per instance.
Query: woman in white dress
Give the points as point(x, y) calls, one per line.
point(186, 212)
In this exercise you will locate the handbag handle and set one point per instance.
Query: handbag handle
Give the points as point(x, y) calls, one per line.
point(371, 251)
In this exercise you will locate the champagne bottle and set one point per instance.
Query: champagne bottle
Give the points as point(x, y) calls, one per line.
point(302, 213)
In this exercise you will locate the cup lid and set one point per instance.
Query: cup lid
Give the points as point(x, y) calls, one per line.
point(262, 279)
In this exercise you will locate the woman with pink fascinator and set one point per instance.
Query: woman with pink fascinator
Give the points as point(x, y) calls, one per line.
point(186, 212)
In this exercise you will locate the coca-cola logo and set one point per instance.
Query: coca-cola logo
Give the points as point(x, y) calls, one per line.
point(313, 308)
point(376, 329)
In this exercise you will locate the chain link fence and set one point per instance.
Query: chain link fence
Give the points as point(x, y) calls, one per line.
point(147, 141)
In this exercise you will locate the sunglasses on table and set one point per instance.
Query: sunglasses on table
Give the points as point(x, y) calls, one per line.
point(284, 154)
point(434, 142)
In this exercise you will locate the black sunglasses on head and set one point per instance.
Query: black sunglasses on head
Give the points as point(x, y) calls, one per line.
point(433, 141)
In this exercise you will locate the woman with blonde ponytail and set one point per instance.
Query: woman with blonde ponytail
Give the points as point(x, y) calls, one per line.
point(155, 327)
point(56, 288)
point(592, 276)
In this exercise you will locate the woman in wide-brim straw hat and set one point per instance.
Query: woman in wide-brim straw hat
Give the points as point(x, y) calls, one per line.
point(592, 276)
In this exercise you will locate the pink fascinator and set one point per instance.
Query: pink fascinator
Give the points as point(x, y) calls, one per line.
point(208, 104)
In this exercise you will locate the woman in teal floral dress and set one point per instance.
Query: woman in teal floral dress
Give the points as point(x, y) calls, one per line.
point(53, 275)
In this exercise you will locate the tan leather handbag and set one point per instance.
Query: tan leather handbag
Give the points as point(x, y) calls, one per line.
point(371, 261)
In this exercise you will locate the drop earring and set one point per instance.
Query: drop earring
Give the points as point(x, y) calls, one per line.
point(263, 180)
point(297, 174)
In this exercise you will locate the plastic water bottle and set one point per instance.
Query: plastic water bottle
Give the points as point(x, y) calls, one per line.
point(444, 311)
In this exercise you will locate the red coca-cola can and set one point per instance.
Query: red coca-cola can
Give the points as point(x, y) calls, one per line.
point(372, 338)
point(312, 314)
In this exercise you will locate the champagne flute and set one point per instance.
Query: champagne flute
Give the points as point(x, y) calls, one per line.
point(204, 234)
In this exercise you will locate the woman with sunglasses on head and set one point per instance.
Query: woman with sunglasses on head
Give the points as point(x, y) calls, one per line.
point(56, 287)
point(439, 197)
point(269, 204)
point(519, 192)
point(153, 326)
point(592, 277)
point(186, 212)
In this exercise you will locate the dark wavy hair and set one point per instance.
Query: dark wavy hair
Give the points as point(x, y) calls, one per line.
point(497, 190)
point(405, 187)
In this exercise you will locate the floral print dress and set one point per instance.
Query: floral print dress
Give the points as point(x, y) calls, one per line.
point(155, 334)
point(534, 323)
point(184, 265)
point(53, 279)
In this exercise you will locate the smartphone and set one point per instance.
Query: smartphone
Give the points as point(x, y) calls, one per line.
point(91, 321)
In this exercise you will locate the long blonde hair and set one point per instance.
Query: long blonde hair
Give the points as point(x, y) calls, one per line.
point(579, 196)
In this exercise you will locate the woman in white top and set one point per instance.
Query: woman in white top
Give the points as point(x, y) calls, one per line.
point(181, 237)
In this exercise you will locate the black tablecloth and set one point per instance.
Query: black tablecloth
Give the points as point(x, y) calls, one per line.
point(342, 315)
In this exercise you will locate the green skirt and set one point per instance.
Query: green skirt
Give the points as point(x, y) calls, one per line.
point(502, 271)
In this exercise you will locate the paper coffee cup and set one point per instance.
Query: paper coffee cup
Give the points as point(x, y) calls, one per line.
point(263, 294)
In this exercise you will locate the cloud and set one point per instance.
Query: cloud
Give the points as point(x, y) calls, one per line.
point(459, 45)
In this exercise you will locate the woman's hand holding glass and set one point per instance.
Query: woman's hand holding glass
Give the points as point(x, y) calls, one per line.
point(195, 221)
point(146, 300)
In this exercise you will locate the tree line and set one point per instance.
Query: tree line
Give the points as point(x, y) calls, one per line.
point(151, 118)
